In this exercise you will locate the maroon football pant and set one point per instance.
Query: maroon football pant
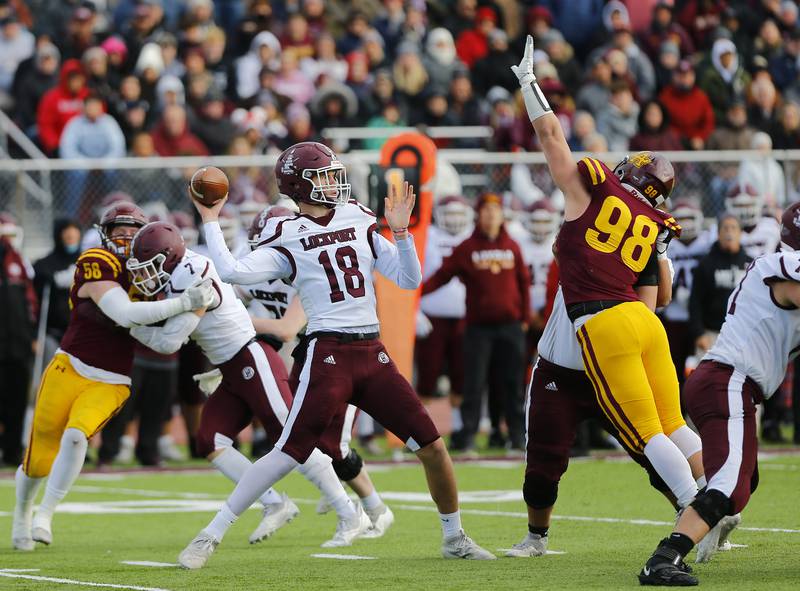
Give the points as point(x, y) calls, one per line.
point(559, 399)
point(254, 384)
point(334, 374)
point(722, 404)
point(445, 345)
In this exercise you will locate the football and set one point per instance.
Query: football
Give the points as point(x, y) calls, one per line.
point(208, 185)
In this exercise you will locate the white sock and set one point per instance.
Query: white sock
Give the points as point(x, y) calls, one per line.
point(451, 524)
point(318, 470)
point(222, 521)
point(233, 465)
point(673, 468)
point(27, 488)
point(66, 467)
point(258, 478)
point(701, 481)
point(687, 441)
point(457, 423)
point(371, 501)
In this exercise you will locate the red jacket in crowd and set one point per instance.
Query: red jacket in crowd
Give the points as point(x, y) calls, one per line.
point(495, 275)
point(690, 113)
point(58, 106)
point(185, 144)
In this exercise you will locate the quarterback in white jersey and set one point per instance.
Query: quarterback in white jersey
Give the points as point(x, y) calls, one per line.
point(761, 334)
point(250, 377)
point(329, 252)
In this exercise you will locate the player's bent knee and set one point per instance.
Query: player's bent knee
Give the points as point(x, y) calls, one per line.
point(539, 492)
point(349, 467)
point(74, 436)
point(712, 505)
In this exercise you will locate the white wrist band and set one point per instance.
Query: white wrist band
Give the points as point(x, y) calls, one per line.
point(535, 102)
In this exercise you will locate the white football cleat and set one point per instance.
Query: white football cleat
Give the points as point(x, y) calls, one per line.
point(531, 545)
point(199, 550)
point(462, 546)
point(729, 523)
point(127, 447)
point(42, 530)
point(275, 517)
point(21, 538)
point(168, 450)
point(382, 518)
point(348, 530)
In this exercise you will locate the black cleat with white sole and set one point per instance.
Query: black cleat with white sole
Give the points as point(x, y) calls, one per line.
point(666, 568)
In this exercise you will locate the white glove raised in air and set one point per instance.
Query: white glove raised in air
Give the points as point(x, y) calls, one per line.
point(535, 102)
point(198, 296)
point(524, 71)
point(423, 325)
point(208, 381)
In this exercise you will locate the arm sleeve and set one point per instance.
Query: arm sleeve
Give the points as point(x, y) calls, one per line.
point(448, 270)
point(116, 304)
point(262, 264)
point(649, 275)
point(399, 262)
point(170, 337)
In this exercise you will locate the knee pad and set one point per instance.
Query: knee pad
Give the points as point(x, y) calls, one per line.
point(349, 467)
point(711, 505)
point(538, 492)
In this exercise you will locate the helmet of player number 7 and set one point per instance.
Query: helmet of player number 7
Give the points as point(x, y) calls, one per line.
point(744, 202)
point(649, 174)
point(790, 228)
point(311, 172)
point(121, 213)
point(454, 215)
point(690, 218)
point(541, 220)
point(260, 221)
point(156, 250)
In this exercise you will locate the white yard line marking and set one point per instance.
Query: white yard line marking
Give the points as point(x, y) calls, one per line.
point(17, 575)
point(549, 552)
point(343, 556)
point(20, 570)
point(149, 563)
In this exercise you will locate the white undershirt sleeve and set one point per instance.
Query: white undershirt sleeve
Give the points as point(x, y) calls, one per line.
point(260, 265)
point(116, 304)
point(170, 337)
point(398, 263)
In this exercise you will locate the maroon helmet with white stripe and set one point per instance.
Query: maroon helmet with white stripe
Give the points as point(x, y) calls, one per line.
point(541, 220)
point(122, 213)
point(453, 214)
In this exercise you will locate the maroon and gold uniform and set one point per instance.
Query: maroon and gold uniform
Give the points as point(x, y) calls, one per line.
point(625, 350)
point(87, 382)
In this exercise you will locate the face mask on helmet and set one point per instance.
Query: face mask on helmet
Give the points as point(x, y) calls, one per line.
point(149, 277)
point(118, 239)
point(746, 208)
point(541, 224)
point(690, 221)
point(454, 218)
point(330, 186)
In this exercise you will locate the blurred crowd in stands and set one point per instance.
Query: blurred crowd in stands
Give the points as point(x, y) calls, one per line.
point(105, 78)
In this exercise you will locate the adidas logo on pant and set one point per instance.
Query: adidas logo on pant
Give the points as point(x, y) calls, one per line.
point(329, 359)
point(552, 387)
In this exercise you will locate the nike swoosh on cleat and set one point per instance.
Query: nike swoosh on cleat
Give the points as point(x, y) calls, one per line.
point(646, 571)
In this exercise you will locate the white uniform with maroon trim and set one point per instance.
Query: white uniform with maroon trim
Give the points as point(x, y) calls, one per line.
point(538, 256)
point(684, 259)
point(759, 337)
point(267, 299)
point(764, 238)
point(449, 301)
point(224, 330)
point(558, 343)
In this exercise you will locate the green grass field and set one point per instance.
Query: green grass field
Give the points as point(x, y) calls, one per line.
point(608, 521)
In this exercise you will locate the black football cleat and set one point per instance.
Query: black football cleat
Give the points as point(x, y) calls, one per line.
point(666, 568)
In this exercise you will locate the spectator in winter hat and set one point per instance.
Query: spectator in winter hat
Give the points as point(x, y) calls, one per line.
point(298, 122)
point(171, 137)
point(95, 65)
point(60, 104)
point(663, 28)
point(440, 59)
point(562, 56)
point(265, 50)
point(726, 80)
point(373, 48)
point(169, 91)
point(618, 122)
point(16, 44)
point(80, 34)
point(473, 44)
point(594, 94)
point(30, 85)
point(669, 56)
point(688, 108)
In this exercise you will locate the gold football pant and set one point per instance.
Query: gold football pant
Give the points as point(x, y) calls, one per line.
point(626, 355)
point(66, 400)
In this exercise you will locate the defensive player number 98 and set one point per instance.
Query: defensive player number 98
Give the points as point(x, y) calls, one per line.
point(614, 220)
